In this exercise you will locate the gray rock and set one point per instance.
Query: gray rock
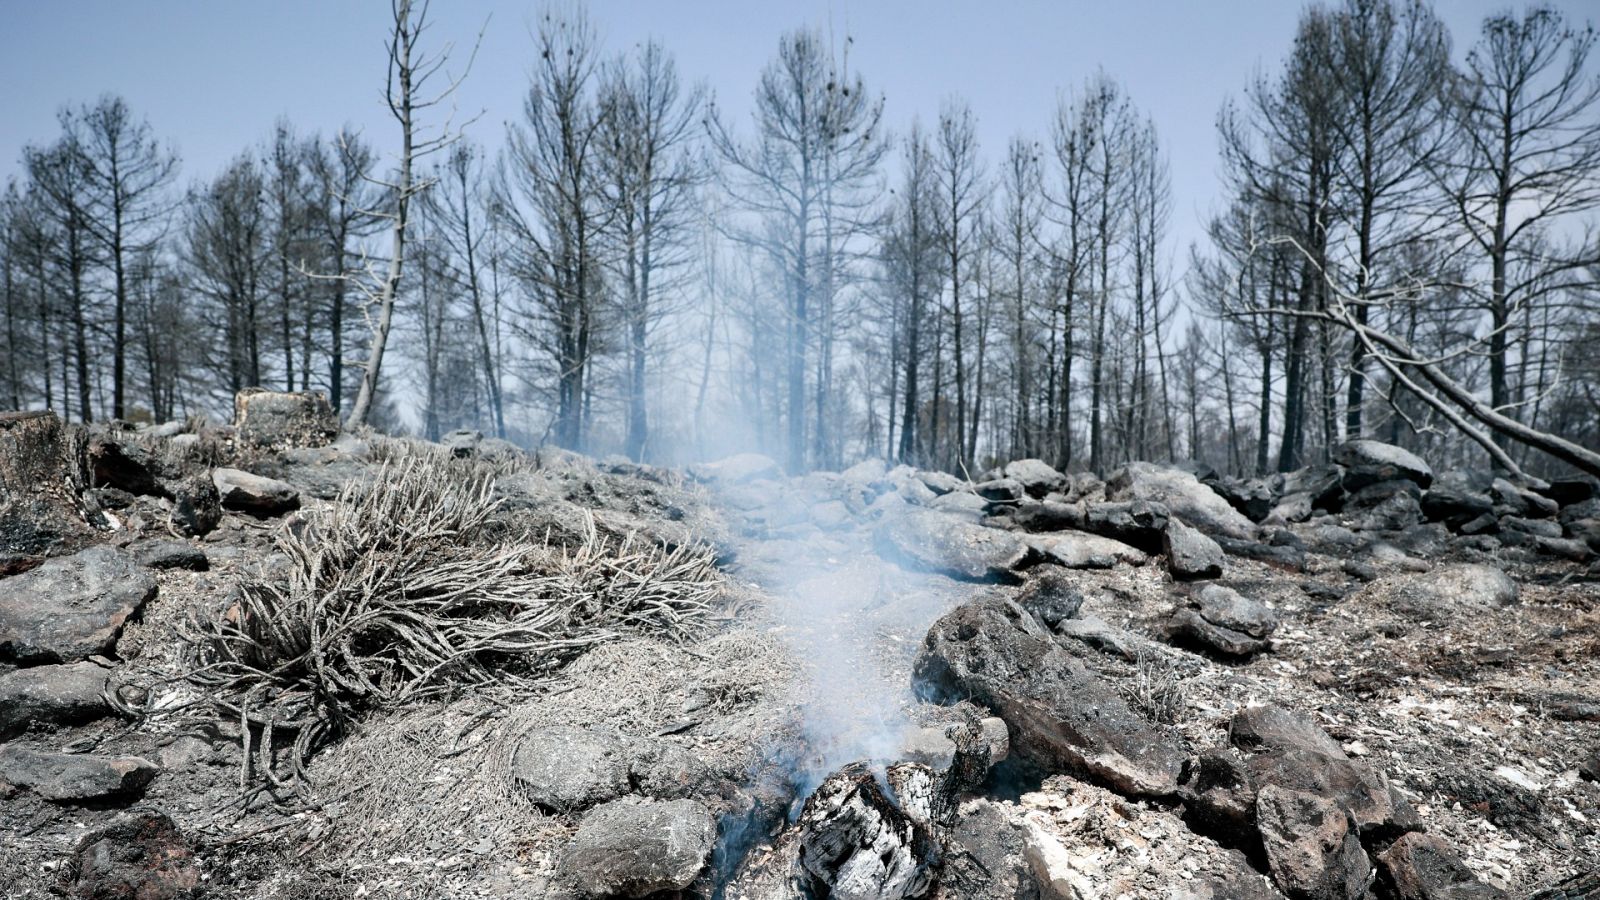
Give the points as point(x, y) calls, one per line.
point(1377, 461)
point(75, 777)
point(55, 695)
point(938, 542)
point(1226, 607)
point(1036, 476)
point(1443, 593)
point(173, 555)
point(254, 494)
point(1515, 500)
point(1061, 715)
point(1183, 495)
point(71, 607)
point(963, 502)
point(139, 855)
point(1268, 728)
point(569, 768)
point(1190, 554)
point(1000, 490)
point(1312, 848)
point(638, 848)
point(1420, 866)
point(1095, 632)
point(283, 418)
point(1080, 550)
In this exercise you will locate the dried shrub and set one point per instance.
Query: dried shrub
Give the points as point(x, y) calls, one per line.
point(404, 590)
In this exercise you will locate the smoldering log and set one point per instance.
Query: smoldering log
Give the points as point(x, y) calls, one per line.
point(856, 842)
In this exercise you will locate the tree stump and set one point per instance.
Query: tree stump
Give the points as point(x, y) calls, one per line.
point(43, 473)
point(278, 419)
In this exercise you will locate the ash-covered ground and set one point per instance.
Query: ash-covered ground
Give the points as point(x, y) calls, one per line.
point(1365, 679)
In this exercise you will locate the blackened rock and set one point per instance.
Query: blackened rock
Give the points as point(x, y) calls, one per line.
point(1375, 807)
point(71, 607)
point(1321, 485)
point(1062, 716)
point(1419, 866)
point(1050, 515)
point(1217, 793)
point(139, 855)
point(937, 542)
point(56, 695)
point(1569, 491)
point(1289, 557)
point(1138, 523)
point(1188, 628)
point(1183, 495)
point(1312, 848)
point(633, 849)
point(1590, 768)
point(1515, 500)
point(1052, 598)
point(173, 555)
point(196, 505)
point(1190, 554)
point(1253, 497)
point(73, 777)
point(1366, 462)
point(125, 466)
point(1454, 505)
point(254, 494)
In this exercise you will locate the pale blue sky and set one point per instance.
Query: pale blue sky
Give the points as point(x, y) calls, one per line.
point(213, 76)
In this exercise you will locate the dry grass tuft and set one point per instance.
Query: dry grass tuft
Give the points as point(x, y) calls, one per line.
point(406, 589)
point(1156, 690)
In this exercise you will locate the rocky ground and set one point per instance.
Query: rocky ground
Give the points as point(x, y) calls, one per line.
point(1364, 679)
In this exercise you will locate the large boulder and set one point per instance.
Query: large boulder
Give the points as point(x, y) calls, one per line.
point(43, 473)
point(139, 855)
point(1367, 462)
point(1183, 495)
point(938, 542)
point(75, 777)
point(635, 849)
point(280, 419)
point(254, 494)
point(71, 607)
point(55, 695)
point(1062, 716)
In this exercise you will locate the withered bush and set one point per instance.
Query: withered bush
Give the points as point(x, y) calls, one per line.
point(408, 589)
point(1156, 690)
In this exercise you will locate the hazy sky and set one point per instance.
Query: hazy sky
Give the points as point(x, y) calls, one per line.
point(213, 76)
